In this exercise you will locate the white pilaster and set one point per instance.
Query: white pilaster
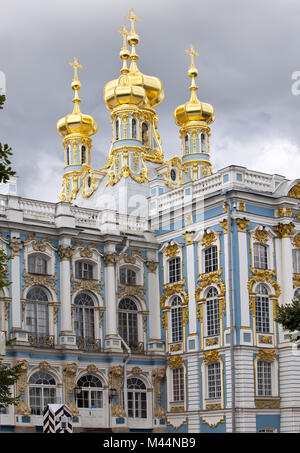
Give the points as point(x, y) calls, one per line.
point(155, 343)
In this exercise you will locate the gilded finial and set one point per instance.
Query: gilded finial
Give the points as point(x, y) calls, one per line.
point(193, 72)
point(133, 18)
point(124, 53)
point(76, 85)
point(133, 39)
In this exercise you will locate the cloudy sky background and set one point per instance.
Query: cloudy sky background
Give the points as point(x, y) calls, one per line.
point(248, 52)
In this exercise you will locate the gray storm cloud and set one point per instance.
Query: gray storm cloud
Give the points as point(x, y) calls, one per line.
point(248, 53)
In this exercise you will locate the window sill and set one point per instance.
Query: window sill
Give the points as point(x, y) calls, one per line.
point(271, 402)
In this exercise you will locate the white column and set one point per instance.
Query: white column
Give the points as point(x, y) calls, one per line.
point(15, 247)
point(67, 336)
point(243, 268)
point(190, 266)
point(112, 340)
point(155, 343)
point(287, 270)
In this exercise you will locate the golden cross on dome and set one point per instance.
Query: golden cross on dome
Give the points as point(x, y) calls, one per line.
point(193, 53)
point(75, 65)
point(124, 33)
point(133, 18)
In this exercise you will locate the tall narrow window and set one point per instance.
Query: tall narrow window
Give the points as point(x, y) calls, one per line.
point(186, 143)
point(260, 256)
point(89, 392)
point(37, 264)
point(178, 385)
point(264, 378)
point(127, 321)
point(68, 155)
point(203, 143)
point(133, 127)
point(211, 259)
point(262, 314)
point(83, 154)
point(176, 319)
point(145, 137)
point(296, 261)
point(84, 324)
point(84, 270)
point(37, 316)
point(137, 398)
point(117, 129)
point(214, 380)
point(212, 313)
point(42, 391)
point(174, 270)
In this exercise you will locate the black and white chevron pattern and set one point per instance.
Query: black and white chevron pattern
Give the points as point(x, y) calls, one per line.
point(57, 418)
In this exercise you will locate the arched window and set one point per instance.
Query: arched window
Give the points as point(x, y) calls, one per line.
point(296, 261)
point(84, 270)
point(145, 136)
point(84, 324)
point(89, 392)
point(262, 308)
point(42, 391)
point(186, 143)
point(212, 313)
point(133, 127)
point(83, 154)
point(137, 398)
point(174, 270)
point(203, 143)
point(128, 321)
point(37, 316)
point(37, 264)
point(127, 276)
point(117, 129)
point(260, 256)
point(178, 384)
point(176, 319)
point(211, 259)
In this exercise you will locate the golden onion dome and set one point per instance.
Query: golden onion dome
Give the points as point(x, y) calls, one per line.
point(194, 110)
point(132, 87)
point(76, 122)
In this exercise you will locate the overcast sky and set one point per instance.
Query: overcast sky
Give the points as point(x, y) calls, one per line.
point(248, 51)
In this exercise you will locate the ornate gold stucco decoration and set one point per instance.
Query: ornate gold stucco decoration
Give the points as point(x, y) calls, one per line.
point(65, 253)
point(295, 191)
point(40, 280)
point(296, 240)
point(266, 354)
point(211, 356)
point(242, 225)
point(152, 266)
point(263, 275)
point(172, 250)
point(261, 236)
point(284, 230)
point(176, 361)
point(158, 375)
point(110, 259)
point(69, 372)
point(21, 389)
point(208, 239)
point(189, 237)
point(115, 377)
point(15, 248)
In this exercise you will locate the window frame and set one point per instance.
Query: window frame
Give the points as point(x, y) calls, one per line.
point(262, 315)
point(128, 322)
point(33, 267)
point(259, 261)
point(214, 381)
point(139, 398)
point(34, 306)
point(33, 392)
point(174, 272)
point(87, 393)
point(211, 263)
point(212, 315)
point(79, 273)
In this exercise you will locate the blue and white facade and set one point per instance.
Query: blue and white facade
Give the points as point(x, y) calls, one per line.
point(146, 299)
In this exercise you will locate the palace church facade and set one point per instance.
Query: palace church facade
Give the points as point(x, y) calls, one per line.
point(145, 299)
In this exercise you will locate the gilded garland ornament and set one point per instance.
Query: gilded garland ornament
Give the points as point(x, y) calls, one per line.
point(266, 354)
point(176, 361)
point(261, 236)
point(211, 356)
point(208, 239)
point(172, 250)
point(65, 253)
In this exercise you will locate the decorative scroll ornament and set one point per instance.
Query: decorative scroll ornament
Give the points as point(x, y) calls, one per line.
point(208, 239)
point(86, 285)
point(39, 280)
point(15, 248)
point(176, 361)
point(212, 278)
point(242, 225)
point(263, 275)
point(69, 372)
point(115, 376)
point(65, 253)
point(152, 266)
point(266, 354)
point(136, 371)
point(261, 236)
point(172, 250)
point(158, 376)
point(92, 369)
point(284, 230)
point(110, 259)
point(211, 356)
point(296, 240)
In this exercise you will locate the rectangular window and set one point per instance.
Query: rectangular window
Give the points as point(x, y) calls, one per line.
point(84, 270)
point(264, 378)
point(260, 256)
point(296, 261)
point(127, 276)
point(214, 380)
point(174, 270)
point(212, 310)
point(37, 264)
point(178, 385)
point(262, 315)
point(211, 259)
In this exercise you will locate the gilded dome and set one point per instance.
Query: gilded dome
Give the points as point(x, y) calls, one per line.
point(76, 122)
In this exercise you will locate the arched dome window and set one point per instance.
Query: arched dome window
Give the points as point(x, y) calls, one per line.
point(145, 135)
point(133, 127)
point(42, 391)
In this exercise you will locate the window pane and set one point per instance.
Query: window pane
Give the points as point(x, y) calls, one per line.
point(174, 270)
point(262, 314)
point(264, 380)
point(214, 380)
point(211, 259)
point(178, 384)
point(296, 261)
point(260, 256)
point(212, 313)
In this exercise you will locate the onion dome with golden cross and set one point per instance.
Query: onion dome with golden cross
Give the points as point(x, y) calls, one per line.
point(76, 130)
point(194, 118)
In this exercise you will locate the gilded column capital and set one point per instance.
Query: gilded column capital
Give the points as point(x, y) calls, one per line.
point(284, 230)
point(110, 259)
point(65, 253)
point(242, 225)
point(152, 266)
point(208, 239)
point(15, 247)
point(188, 236)
point(223, 224)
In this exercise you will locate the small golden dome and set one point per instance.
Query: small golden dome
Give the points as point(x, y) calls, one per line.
point(132, 87)
point(194, 110)
point(76, 122)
